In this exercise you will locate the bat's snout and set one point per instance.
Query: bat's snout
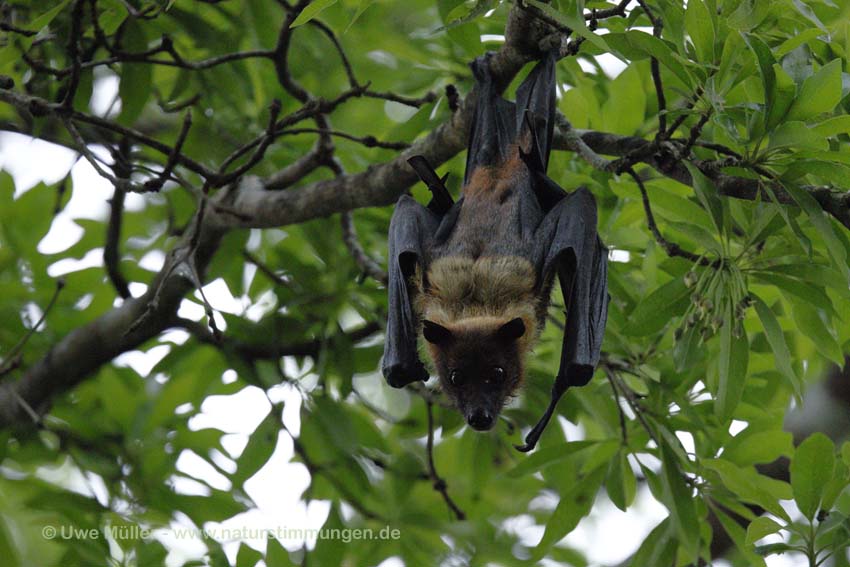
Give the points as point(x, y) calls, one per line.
point(481, 420)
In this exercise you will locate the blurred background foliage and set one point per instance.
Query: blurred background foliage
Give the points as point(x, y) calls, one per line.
point(692, 349)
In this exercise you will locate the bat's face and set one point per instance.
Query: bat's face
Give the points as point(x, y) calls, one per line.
point(480, 366)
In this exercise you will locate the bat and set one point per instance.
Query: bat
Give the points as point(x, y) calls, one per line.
point(475, 276)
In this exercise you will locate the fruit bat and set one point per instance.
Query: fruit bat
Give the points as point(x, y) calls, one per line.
point(475, 276)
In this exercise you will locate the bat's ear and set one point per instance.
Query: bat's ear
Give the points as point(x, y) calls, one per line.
point(435, 333)
point(512, 330)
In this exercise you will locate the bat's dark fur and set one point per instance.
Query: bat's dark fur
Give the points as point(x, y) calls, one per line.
point(475, 276)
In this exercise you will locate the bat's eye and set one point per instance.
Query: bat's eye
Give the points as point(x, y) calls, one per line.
point(498, 373)
point(456, 376)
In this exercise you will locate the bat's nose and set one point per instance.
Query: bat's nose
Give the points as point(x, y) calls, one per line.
point(480, 420)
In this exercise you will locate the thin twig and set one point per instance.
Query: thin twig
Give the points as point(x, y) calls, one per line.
point(111, 255)
point(154, 185)
point(366, 264)
point(368, 141)
point(439, 483)
point(9, 362)
point(670, 248)
point(623, 429)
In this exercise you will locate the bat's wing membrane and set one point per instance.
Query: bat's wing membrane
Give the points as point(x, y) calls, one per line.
point(568, 243)
point(571, 248)
point(412, 230)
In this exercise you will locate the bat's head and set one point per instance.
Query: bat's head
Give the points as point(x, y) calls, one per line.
point(479, 363)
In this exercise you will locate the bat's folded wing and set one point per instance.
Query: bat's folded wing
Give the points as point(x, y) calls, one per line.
point(581, 261)
point(411, 234)
point(571, 248)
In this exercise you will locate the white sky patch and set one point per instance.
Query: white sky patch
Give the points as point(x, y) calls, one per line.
point(587, 66)
point(736, 427)
point(152, 261)
point(594, 533)
point(234, 444)
point(398, 112)
point(611, 64)
point(219, 296)
point(174, 336)
point(264, 304)
point(222, 461)
point(241, 412)
point(66, 475)
point(190, 310)
point(229, 376)
point(571, 430)
point(63, 234)
point(615, 255)
point(492, 38)
point(137, 289)
point(142, 362)
point(105, 90)
point(31, 161)
point(190, 463)
point(687, 441)
point(188, 486)
point(92, 259)
point(180, 547)
point(83, 303)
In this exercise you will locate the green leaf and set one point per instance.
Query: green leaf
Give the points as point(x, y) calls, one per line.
point(761, 527)
point(812, 325)
point(776, 339)
point(361, 7)
point(732, 369)
point(820, 93)
point(621, 483)
point(765, 61)
point(700, 26)
point(836, 486)
point(707, 195)
point(547, 456)
point(833, 126)
point(576, 24)
point(738, 536)
point(811, 469)
point(760, 447)
point(572, 507)
point(658, 309)
point(679, 500)
point(624, 108)
point(799, 135)
point(311, 11)
point(44, 19)
point(134, 87)
point(659, 547)
point(809, 293)
point(636, 44)
point(259, 449)
point(749, 486)
point(463, 14)
point(824, 226)
point(276, 554)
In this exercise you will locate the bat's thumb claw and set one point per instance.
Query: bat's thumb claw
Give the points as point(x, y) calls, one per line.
point(526, 447)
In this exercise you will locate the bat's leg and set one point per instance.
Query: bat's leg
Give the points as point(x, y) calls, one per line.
point(558, 389)
point(441, 200)
point(411, 232)
point(579, 258)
